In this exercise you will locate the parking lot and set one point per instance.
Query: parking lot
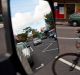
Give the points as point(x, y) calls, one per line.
point(43, 53)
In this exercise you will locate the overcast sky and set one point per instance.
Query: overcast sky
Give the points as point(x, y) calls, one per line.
point(28, 13)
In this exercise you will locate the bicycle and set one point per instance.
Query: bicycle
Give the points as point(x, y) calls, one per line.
point(67, 64)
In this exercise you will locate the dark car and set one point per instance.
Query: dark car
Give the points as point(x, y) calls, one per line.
point(74, 19)
point(52, 34)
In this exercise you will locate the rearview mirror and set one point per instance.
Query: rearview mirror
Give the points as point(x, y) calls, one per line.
point(31, 22)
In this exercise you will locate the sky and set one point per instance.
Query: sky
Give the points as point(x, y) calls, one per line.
point(26, 13)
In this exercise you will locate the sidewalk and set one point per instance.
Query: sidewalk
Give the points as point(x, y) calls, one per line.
point(62, 23)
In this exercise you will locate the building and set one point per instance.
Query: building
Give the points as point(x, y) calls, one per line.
point(65, 8)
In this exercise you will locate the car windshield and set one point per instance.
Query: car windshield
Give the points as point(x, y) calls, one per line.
point(21, 45)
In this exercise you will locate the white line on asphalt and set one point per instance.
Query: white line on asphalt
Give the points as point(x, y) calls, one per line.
point(1, 26)
point(66, 38)
point(31, 49)
point(69, 63)
point(42, 65)
point(47, 47)
point(50, 50)
point(52, 41)
point(48, 42)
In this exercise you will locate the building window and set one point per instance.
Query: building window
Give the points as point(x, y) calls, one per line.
point(60, 11)
point(77, 8)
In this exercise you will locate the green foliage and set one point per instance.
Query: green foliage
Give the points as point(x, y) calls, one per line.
point(27, 29)
point(49, 20)
point(35, 33)
point(22, 37)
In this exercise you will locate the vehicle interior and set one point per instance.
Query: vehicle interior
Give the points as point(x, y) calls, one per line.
point(22, 22)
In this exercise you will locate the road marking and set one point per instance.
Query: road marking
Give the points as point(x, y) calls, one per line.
point(1, 25)
point(42, 65)
point(48, 42)
point(47, 47)
point(52, 41)
point(50, 50)
point(31, 49)
point(67, 38)
point(69, 63)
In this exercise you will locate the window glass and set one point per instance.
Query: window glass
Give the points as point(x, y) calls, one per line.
point(32, 22)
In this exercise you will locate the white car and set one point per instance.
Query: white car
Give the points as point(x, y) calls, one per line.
point(22, 49)
point(36, 41)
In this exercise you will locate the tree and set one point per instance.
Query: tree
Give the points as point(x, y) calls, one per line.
point(27, 29)
point(35, 33)
point(49, 20)
point(22, 37)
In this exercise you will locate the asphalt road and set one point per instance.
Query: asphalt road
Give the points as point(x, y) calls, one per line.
point(67, 39)
point(43, 53)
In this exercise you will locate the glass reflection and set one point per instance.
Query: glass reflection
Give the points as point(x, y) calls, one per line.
point(34, 31)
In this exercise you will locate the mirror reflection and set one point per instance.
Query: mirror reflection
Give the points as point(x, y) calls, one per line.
point(35, 33)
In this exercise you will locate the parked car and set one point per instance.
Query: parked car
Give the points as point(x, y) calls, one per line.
point(25, 50)
point(52, 34)
point(27, 44)
point(74, 19)
point(55, 36)
point(36, 41)
point(44, 37)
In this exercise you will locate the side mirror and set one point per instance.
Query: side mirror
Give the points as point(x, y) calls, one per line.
point(24, 21)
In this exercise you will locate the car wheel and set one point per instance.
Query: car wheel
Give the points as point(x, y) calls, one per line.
point(74, 23)
point(55, 38)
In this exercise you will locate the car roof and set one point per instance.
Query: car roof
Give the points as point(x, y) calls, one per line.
point(20, 43)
